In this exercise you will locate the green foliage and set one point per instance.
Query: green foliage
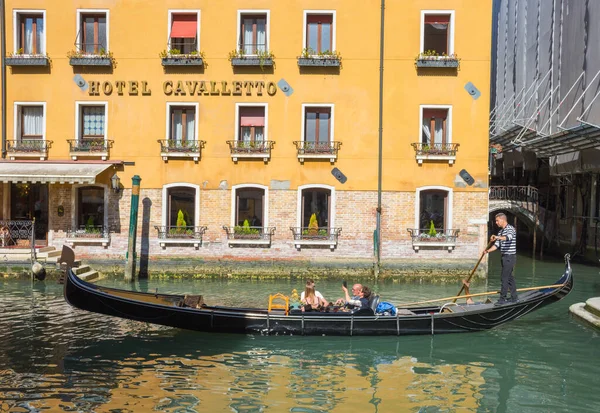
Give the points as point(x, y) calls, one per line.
point(309, 52)
point(433, 55)
point(245, 229)
point(432, 232)
point(180, 219)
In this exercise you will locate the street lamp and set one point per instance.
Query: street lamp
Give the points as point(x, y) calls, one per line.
point(115, 182)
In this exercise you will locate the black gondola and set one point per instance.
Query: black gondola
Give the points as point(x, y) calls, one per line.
point(178, 311)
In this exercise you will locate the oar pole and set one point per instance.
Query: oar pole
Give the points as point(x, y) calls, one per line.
point(473, 271)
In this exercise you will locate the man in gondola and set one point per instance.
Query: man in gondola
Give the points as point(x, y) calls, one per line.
point(506, 242)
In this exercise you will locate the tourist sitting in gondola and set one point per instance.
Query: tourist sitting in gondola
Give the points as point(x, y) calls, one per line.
point(312, 300)
point(360, 297)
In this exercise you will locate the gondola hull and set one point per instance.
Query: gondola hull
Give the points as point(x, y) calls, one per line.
point(166, 310)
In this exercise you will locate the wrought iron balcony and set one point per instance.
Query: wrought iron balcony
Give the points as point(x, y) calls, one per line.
point(435, 151)
point(86, 147)
point(89, 234)
point(170, 148)
point(315, 236)
point(317, 150)
point(17, 233)
point(250, 149)
point(240, 235)
point(437, 238)
point(28, 148)
point(180, 235)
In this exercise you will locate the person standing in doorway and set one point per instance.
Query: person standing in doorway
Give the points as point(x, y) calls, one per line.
point(506, 242)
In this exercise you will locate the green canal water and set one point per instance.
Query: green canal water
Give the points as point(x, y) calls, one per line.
point(55, 358)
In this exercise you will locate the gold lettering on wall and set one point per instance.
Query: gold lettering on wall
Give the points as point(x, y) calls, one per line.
point(184, 88)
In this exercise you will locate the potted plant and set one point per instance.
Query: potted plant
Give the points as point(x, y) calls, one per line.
point(431, 58)
point(174, 57)
point(80, 58)
point(310, 57)
point(261, 58)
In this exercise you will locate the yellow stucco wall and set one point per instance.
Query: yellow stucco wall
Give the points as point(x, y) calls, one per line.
point(138, 32)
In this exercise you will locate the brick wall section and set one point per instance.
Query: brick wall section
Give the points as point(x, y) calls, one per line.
point(355, 214)
point(1, 201)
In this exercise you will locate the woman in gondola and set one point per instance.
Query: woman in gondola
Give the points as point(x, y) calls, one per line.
point(310, 298)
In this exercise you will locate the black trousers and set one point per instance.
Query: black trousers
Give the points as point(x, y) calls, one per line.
point(508, 279)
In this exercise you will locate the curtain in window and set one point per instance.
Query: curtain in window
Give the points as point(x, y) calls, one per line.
point(177, 126)
point(39, 25)
point(325, 37)
point(246, 133)
point(261, 35)
point(248, 47)
point(33, 121)
point(323, 126)
point(94, 44)
point(93, 121)
point(313, 36)
point(190, 127)
point(426, 137)
point(438, 137)
point(28, 40)
point(259, 133)
point(311, 127)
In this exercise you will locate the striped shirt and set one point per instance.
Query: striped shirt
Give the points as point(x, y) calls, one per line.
point(508, 247)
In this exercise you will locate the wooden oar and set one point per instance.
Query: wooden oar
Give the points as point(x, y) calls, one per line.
point(465, 283)
point(478, 295)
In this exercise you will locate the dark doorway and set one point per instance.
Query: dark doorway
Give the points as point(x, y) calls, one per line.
point(29, 201)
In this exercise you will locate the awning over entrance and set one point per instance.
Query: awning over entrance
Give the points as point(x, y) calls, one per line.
point(71, 173)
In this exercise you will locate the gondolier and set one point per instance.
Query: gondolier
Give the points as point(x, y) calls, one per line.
point(506, 242)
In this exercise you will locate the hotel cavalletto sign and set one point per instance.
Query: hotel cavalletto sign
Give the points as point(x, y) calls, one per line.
point(184, 88)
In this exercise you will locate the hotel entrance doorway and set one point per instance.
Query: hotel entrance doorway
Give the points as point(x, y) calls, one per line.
point(29, 201)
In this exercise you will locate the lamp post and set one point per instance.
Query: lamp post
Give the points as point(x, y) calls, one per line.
point(133, 215)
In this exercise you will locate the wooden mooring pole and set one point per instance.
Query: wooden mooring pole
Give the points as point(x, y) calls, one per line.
point(133, 216)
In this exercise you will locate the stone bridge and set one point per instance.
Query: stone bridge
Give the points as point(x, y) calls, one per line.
point(522, 201)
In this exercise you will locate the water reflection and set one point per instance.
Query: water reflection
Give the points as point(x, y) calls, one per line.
point(60, 359)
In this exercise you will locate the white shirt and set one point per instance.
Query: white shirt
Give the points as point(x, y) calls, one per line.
point(317, 294)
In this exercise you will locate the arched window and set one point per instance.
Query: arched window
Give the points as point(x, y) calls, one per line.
point(181, 206)
point(434, 207)
point(250, 205)
point(316, 201)
point(90, 207)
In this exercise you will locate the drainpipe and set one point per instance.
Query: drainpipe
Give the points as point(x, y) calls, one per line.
point(3, 52)
point(380, 160)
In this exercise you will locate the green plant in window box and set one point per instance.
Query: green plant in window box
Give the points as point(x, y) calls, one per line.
point(313, 225)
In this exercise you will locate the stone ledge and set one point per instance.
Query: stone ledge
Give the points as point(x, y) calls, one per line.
point(578, 310)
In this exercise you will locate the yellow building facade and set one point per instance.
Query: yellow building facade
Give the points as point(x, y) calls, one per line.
point(254, 126)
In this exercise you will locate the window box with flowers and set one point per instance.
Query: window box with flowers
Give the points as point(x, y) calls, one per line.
point(22, 59)
point(261, 58)
point(80, 58)
point(430, 58)
point(174, 57)
point(310, 58)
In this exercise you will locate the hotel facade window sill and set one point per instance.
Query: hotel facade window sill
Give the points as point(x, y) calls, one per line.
point(435, 152)
point(317, 150)
point(424, 238)
point(168, 235)
point(250, 149)
point(94, 235)
point(27, 60)
point(181, 149)
point(249, 236)
point(28, 148)
point(321, 237)
point(89, 148)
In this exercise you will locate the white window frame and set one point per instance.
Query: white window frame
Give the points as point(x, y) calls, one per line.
point(79, 105)
point(449, 121)
point(196, 107)
point(165, 191)
point(92, 11)
point(331, 107)
point(237, 117)
point(184, 11)
point(332, 213)
point(17, 108)
point(16, 14)
point(75, 203)
point(333, 28)
point(240, 12)
point(234, 189)
point(449, 212)
point(450, 34)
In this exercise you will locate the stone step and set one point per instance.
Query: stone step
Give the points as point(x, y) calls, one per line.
point(46, 249)
point(89, 275)
point(579, 311)
point(593, 306)
point(82, 269)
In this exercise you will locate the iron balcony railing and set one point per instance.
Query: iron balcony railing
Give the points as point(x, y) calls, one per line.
point(526, 196)
point(250, 149)
point(433, 236)
point(87, 145)
point(169, 146)
point(33, 146)
point(317, 148)
point(249, 235)
point(19, 234)
point(88, 232)
point(315, 234)
point(180, 233)
point(441, 149)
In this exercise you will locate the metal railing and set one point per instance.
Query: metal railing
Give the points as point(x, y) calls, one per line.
point(425, 235)
point(241, 233)
point(33, 146)
point(87, 145)
point(317, 148)
point(315, 234)
point(250, 147)
point(525, 196)
point(18, 234)
point(174, 146)
point(180, 233)
point(440, 149)
point(89, 232)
